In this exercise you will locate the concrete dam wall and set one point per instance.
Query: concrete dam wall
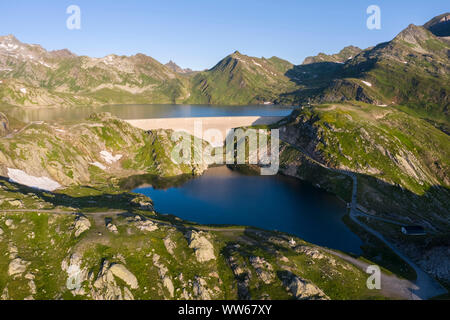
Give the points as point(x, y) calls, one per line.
point(223, 124)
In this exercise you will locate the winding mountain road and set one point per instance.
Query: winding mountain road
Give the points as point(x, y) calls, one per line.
point(425, 287)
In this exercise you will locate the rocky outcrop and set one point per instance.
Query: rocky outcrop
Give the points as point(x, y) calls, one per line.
point(82, 224)
point(163, 275)
point(105, 286)
point(10, 224)
point(300, 288)
point(144, 225)
point(263, 269)
point(81, 282)
point(76, 274)
point(111, 227)
point(242, 274)
point(204, 250)
point(17, 267)
point(143, 202)
point(200, 289)
point(345, 54)
point(121, 272)
point(169, 244)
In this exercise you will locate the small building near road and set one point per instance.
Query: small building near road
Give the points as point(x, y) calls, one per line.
point(413, 230)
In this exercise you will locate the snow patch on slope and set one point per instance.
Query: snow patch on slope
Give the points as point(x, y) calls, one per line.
point(367, 83)
point(109, 158)
point(98, 165)
point(43, 183)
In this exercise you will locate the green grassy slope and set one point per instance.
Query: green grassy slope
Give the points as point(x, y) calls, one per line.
point(245, 263)
point(66, 152)
point(240, 79)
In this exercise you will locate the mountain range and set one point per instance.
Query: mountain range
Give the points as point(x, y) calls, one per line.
point(410, 70)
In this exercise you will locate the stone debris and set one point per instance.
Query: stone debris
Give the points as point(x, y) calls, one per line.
point(104, 285)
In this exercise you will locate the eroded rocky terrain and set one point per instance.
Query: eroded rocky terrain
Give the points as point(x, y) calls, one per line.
point(143, 255)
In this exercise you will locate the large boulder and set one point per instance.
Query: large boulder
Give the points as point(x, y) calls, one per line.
point(169, 244)
point(105, 286)
point(124, 274)
point(204, 250)
point(81, 225)
point(17, 266)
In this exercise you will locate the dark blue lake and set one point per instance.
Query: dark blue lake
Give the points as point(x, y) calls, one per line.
point(224, 196)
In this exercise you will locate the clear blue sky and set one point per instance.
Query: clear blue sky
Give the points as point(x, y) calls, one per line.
point(198, 33)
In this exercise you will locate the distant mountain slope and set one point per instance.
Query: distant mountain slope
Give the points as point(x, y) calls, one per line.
point(176, 68)
point(341, 57)
point(33, 76)
point(240, 79)
point(413, 69)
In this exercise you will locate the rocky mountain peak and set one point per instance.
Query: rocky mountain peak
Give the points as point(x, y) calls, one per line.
point(413, 34)
point(176, 68)
point(63, 53)
point(341, 57)
point(9, 42)
point(8, 38)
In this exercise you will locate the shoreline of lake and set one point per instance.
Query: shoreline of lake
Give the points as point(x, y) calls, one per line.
point(214, 198)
